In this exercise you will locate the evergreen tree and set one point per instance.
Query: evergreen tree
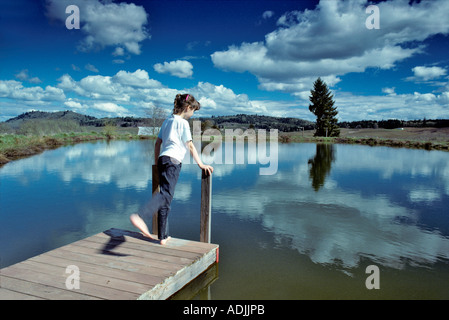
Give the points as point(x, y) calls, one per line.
point(323, 108)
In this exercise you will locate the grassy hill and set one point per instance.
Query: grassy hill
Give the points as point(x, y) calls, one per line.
point(43, 123)
point(80, 119)
point(69, 121)
point(65, 115)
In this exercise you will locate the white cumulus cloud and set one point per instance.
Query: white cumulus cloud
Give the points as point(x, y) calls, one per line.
point(111, 108)
point(105, 23)
point(138, 78)
point(428, 73)
point(178, 68)
point(332, 40)
point(15, 90)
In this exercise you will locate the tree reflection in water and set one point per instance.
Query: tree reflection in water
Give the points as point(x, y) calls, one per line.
point(320, 164)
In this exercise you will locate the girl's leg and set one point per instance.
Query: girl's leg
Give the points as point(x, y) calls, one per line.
point(168, 177)
point(138, 222)
point(146, 213)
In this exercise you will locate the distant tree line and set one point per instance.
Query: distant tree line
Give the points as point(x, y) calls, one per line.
point(118, 121)
point(322, 106)
point(254, 121)
point(395, 123)
point(69, 121)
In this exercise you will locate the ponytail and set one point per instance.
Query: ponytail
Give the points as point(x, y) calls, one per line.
point(182, 101)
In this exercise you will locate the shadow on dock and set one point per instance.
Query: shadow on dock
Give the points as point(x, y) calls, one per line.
point(117, 237)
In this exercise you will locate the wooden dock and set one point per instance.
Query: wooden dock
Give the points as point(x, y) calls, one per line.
point(116, 264)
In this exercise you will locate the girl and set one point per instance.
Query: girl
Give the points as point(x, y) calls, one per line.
point(173, 141)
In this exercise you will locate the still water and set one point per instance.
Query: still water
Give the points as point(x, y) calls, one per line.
point(307, 232)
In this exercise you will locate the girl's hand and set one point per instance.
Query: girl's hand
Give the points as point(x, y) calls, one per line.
point(207, 169)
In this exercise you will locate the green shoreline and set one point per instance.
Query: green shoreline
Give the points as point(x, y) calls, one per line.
point(13, 146)
point(397, 143)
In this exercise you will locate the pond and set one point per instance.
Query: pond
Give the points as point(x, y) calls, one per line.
point(309, 231)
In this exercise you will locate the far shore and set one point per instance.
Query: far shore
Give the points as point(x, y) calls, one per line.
point(418, 138)
point(13, 147)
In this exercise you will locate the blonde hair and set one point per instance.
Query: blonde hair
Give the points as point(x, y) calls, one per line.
point(182, 101)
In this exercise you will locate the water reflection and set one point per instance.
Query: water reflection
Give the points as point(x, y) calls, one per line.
point(123, 163)
point(320, 164)
point(69, 193)
point(350, 215)
point(334, 205)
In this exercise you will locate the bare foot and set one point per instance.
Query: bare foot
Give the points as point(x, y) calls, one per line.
point(140, 224)
point(164, 241)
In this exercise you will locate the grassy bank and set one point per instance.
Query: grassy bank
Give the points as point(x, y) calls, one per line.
point(428, 145)
point(16, 146)
point(416, 138)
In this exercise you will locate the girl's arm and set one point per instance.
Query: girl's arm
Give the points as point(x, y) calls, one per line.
point(208, 169)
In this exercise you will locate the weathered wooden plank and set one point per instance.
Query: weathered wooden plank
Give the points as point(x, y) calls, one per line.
point(174, 243)
point(126, 267)
point(20, 271)
point(100, 268)
point(198, 285)
point(139, 253)
point(176, 282)
point(102, 279)
point(110, 243)
point(6, 294)
point(163, 267)
point(27, 290)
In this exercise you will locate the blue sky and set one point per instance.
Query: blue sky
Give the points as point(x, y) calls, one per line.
point(254, 57)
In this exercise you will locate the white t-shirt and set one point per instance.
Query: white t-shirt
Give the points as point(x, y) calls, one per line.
point(174, 133)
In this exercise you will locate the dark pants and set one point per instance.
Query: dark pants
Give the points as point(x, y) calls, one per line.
point(169, 170)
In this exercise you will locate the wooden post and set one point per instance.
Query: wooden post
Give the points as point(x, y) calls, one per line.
point(206, 204)
point(155, 179)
